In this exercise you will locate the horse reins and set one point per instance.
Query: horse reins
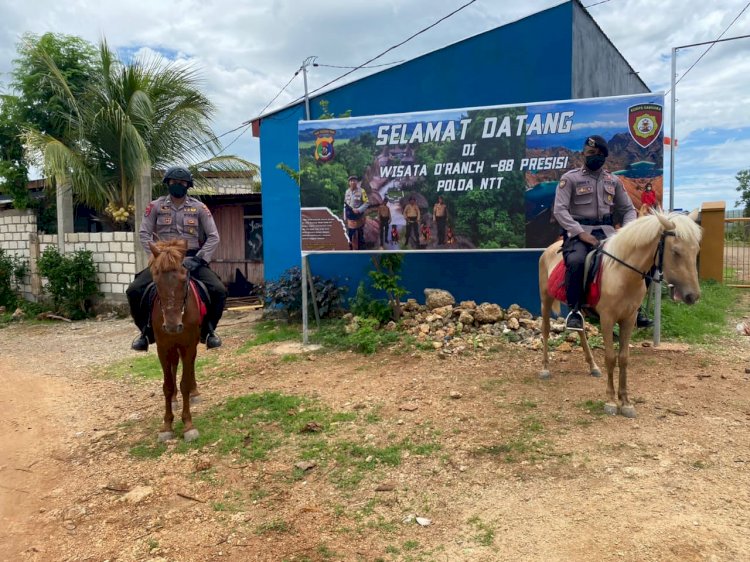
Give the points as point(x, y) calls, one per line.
point(658, 258)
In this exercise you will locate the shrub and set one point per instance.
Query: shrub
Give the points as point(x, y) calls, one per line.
point(12, 271)
point(71, 280)
point(286, 294)
point(364, 305)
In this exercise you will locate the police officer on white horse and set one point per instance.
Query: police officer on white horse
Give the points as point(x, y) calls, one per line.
point(586, 201)
point(179, 216)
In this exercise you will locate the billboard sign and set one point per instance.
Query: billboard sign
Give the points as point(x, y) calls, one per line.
point(464, 179)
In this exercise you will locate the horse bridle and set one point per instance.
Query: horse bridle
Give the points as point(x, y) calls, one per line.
point(184, 299)
point(658, 258)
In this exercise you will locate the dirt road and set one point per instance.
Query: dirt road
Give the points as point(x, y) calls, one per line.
point(523, 469)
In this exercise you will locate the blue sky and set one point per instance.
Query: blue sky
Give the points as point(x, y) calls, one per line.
point(248, 51)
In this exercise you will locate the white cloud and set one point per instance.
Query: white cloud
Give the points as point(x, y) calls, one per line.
point(248, 50)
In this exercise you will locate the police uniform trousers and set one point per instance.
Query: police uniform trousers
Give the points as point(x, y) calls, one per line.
point(384, 224)
point(412, 228)
point(440, 221)
point(216, 291)
point(574, 253)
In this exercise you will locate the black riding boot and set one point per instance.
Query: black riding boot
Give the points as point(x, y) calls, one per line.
point(212, 340)
point(643, 321)
point(208, 335)
point(141, 342)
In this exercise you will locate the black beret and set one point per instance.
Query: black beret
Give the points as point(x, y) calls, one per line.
point(598, 142)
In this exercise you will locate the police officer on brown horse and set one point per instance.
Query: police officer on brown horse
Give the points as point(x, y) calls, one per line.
point(179, 216)
point(586, 200)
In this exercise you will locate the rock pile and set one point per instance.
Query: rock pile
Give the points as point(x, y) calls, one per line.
point(452, 328)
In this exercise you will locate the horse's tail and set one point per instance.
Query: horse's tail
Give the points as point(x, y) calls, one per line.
point(546, 261)
point(556, 307)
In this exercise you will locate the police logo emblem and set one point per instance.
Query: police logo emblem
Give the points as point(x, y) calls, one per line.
point(563, 183)
point(324, 144)
point(644, 123)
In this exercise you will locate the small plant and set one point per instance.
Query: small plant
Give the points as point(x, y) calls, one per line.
point(366, 338)
point(71, 281)
point(386, 278)
point(286, 294)
point(273, 526)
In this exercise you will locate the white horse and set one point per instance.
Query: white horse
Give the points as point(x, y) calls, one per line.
point(670, 242)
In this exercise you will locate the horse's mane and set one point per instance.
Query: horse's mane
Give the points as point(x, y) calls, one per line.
point(171, 254)
point(645, 230)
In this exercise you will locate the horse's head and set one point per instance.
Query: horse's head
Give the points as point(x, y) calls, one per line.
point(681, 248)
point(170, 279)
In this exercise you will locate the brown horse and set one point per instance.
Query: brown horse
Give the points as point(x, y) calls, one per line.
point(669, 241)
point(175, 318)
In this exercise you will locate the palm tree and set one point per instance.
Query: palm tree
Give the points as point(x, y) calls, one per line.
point(144, 113)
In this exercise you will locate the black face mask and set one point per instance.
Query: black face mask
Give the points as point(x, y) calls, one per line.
point(594, 162)
point(177, 190)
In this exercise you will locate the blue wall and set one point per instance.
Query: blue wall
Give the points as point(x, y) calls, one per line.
point(526, 61)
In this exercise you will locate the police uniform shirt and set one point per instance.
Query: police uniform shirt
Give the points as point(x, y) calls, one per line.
point(412, 212)
point(192, 220)
point(587, 195)
point(355, 198)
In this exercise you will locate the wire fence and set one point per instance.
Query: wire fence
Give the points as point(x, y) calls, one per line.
point(736, 249)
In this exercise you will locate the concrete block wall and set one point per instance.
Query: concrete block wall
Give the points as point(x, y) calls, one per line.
point(16, 231)
point(113, 254)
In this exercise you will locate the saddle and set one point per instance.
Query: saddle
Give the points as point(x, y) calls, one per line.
point(198, 288)
point(592, 276)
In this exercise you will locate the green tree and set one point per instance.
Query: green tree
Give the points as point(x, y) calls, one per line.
point(34, 102)
point(146, 113)
point(13, 168)
point(490, 218)
point(743, 178)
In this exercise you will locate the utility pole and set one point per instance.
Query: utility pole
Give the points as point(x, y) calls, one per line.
point(672, 139)
point(305, 63)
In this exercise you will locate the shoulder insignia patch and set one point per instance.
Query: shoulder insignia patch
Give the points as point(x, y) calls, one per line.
point(205, 208)
point(563, 183)
point(148, 210)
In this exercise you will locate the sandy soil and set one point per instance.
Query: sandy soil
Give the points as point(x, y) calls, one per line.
point(525, 469)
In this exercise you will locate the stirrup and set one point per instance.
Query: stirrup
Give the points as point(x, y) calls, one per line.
point(574, 321)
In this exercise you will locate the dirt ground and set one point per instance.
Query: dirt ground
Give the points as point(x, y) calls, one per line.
point(671, 485)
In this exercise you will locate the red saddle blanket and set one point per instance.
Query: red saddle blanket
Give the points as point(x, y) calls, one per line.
point(202, 305)
point(556, 285)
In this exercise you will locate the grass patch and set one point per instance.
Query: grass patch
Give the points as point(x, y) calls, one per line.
point(254, 425)
point(353, 460)
point(270, 331)
point(485, 533)
point(705, 320)
point(147, 367)
point(367, 339)
point(148, 450)
point(524, 446)
point(594, 408)
point(273, 526)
